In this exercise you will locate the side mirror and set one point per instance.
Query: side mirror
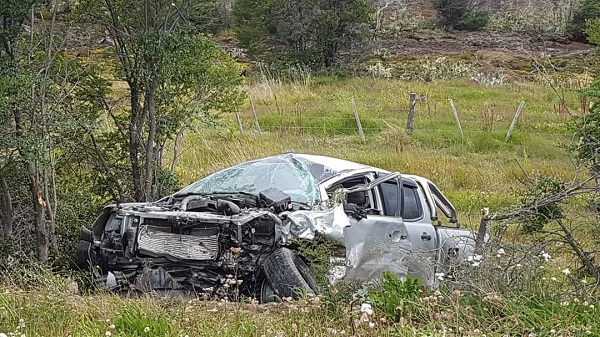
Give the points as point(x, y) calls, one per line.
point(86, 234)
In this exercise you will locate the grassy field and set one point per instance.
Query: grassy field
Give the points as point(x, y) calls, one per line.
point(314, 116)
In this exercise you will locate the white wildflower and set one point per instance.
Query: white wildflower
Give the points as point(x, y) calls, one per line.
point(552, 331)
point(476, 331)
point(440, 276)
point(108, 334)
point(147, 329)
point(566, 271)
point(584, 281)
point(576, 300)
point(564, 304)
point(519, 265)
point(366, 308)
point(470, 258)
point(478, 257)
point(546, 256)
point(591, 306)
point(588, 332)
point(476, 264)
point(371, 325)
point(585, 303)
point(501, 251)
point(554, 279)
point(543, 278)
point(112, 326)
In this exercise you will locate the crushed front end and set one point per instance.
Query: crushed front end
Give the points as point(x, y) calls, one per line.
point(208, 246)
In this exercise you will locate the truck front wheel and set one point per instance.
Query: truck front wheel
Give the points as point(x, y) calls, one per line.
point(288, 275)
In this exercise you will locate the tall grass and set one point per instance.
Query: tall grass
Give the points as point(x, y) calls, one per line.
point(313, 115)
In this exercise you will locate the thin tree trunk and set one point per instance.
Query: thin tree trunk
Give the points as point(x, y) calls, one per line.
point(134, 135)
point(150, 159)
point(176, 150)
point(7, 210)
point(41, 233)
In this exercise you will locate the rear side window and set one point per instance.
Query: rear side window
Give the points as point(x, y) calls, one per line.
point(412, 205)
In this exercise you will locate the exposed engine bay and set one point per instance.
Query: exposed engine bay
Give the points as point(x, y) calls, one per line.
point(211, 244)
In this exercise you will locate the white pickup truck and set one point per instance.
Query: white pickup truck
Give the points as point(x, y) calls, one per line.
point(235, 230)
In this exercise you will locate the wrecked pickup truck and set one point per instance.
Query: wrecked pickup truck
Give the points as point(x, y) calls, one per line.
point(233, 232)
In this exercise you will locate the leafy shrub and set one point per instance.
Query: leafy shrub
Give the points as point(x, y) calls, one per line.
point(460, 15)
point(474, 21)
point(587, 130)
point(317, 254)
point(541, 188)
point(310, 32)
point(396, 298)
point(588, 10)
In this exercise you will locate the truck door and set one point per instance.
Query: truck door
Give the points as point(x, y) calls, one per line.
point(401, 239)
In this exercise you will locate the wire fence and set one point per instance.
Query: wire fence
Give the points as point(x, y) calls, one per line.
point(367, 117)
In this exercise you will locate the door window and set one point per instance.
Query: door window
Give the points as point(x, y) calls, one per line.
point(411, 206)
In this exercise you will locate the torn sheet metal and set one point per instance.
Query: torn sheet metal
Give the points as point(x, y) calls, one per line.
point(306, 224)
point(373, 245)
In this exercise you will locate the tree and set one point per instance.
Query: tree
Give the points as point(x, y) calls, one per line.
point(586, 11)
point(307, 31)
point(460, 14)
point(45, 99)
point(173, 74)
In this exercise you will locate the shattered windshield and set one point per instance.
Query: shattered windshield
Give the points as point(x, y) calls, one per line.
point(294, 177)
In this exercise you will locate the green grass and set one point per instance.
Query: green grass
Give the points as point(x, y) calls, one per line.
point(52, 308)
point(481, 170)
point(315, 116)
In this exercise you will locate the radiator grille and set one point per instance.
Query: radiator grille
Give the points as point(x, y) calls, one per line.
point(187, 247)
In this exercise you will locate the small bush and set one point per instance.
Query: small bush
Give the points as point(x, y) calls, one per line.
point(395, 298)
point(539, 189)
point(588, 10)
point(460, 15)
point(474, 21)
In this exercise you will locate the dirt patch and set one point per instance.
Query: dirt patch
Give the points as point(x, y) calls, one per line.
point(435, 42)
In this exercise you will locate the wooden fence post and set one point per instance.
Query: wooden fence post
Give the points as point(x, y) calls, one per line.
point(460, 130)
point(514, 121)
point(483, 225)
point(256, 125)
point(361, 133)
point(238, 120)
point(410, 122)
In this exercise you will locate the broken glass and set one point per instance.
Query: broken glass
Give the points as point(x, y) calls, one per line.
point(298, 177)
